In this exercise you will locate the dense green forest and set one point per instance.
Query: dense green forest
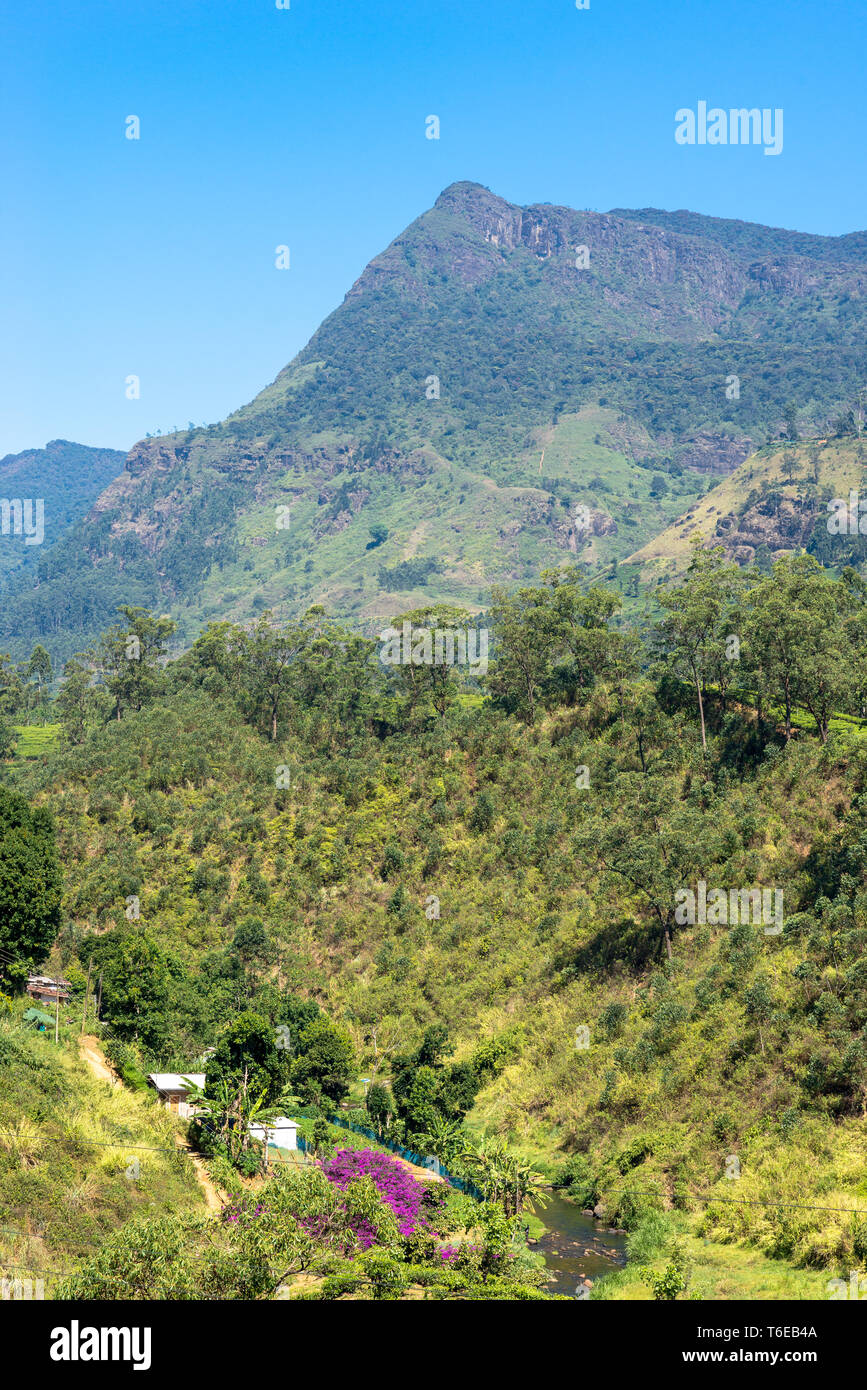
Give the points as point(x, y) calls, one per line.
point(68, 478)
point(301, 866)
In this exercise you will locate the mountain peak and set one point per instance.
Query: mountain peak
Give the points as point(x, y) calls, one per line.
point(475, 203)
point(467, 192)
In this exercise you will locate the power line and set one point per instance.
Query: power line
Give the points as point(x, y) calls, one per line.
point(35, 1235)
point(747, 1201)
point(119, 1144)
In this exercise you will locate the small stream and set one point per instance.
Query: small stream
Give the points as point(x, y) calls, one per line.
point(576, 1246)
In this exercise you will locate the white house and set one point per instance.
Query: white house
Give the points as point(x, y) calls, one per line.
point(282, 1133)
point(173, 1088)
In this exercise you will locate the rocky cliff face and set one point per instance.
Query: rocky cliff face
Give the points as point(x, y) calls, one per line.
point(478, 232)
point(712, 453)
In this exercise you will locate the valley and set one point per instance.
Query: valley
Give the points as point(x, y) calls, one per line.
point(362, 750)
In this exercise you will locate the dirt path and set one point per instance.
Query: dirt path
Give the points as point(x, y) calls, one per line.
point(215, 1200)
point(92, 1055)
point(423, 1174)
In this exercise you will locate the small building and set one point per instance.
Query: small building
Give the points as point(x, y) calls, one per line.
point(173, 1089)
point(281, 1133)
point(48, 991)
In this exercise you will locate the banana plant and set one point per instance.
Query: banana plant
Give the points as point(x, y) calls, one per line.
point(504, 1178)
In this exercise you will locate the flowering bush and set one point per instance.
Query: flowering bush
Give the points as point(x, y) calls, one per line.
point(243, 1212)
point(403, 1193)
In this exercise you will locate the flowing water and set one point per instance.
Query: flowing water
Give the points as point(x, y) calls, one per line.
point(576, 1247)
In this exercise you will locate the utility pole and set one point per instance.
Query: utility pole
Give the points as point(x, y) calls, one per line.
point(99, 997)
point(86, 993)
point(57, 1014)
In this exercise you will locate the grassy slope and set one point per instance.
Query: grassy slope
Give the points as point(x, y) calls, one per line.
point(35, 740)
point(718, 1273)
point(66, 1143)
point(668, 553)
point(480, 530)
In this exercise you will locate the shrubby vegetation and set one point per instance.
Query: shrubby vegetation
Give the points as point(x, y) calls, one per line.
point(67, 1144)
point(438, 885)
point(358, 1226)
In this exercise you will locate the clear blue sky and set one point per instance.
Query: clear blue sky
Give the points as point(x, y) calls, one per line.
point(305, 127)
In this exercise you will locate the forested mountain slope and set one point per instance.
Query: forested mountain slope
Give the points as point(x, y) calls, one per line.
point(503, 389)
point(67, 478)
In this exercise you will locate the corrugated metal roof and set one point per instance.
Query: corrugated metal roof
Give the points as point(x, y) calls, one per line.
point(176, 1081)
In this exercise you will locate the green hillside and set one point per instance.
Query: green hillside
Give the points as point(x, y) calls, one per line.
point(68, 478)
point(774, 504)
point(78, 1159)
point(478, 892)
point(98, 1202)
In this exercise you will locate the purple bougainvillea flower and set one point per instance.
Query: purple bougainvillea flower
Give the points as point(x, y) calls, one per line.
point(395, 1184)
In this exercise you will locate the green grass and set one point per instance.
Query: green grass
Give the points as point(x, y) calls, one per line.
point(36, 740)
point(718, 1273)
point(484, 527)
point(67, 1143)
